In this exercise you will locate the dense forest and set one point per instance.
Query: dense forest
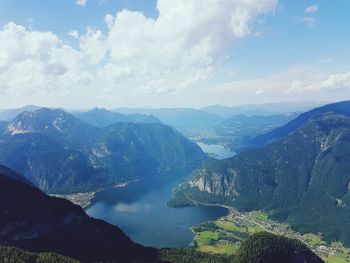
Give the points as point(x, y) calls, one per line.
point(259, 248)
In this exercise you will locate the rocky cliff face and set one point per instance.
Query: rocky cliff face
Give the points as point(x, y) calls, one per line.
point(293, 162)
point(216, 183)
point(303, 178)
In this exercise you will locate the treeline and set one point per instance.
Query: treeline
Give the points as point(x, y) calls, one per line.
point(259, 248)
point(266, 247)
point(16, 255)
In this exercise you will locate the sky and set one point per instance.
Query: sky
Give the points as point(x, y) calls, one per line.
point(173, 53)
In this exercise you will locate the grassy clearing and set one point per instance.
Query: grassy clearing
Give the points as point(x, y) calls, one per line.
point(229, 226)
point(210, 239)
point(224, 236)
point(206, 237)
point(336, 259)
point(255, 229)
point(313, 240)
point(259, 216)
point(208, 243)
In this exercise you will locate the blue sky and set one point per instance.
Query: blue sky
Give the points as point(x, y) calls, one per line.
point(300, 48)
point(62, 16)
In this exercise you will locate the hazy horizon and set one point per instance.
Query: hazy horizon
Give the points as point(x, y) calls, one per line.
point(306, 103)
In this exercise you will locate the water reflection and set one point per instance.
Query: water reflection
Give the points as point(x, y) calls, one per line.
point(141, 211)
point(217, 151)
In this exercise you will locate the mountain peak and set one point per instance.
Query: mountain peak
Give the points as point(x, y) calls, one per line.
point(338, 108)
point(44, 120)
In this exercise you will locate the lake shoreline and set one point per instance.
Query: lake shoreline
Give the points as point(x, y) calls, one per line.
point(217, 151)
point(141, 211)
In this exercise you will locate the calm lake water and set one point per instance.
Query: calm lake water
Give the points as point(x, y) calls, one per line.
point(141, 211)
point(217, 151)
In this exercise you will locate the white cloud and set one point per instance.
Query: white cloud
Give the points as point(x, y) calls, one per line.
point(138, 57)
point(38, 64)
point(186, 40)
point(299, 82)
point(309, 21)
point(332, 82)
point(311, 9)
point(81, 2)
point(74, 34)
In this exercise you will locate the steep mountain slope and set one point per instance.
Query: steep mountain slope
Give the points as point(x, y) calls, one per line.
point(237, 131)
point(55, 124)
point(3, 125)
point(16, 255)
point(303, 178)
point(32, 220)
point(337, 108)
point(62, 154)
point(102, 117)
point(9, 114)
point(148, 147)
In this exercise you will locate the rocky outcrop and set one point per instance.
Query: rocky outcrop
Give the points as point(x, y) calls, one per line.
point(302, 178)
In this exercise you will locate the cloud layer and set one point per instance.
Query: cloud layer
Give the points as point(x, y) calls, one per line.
point(172, 60)
point(136, 56)
point(311, 9)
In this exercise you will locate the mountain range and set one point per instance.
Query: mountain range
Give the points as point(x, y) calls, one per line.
point(100, 117)
point(302, 176)
point(238, 132)
point(263, 109)
point(186, 120)
point(9, 114)
point(278, 133)
point(32, 221)
point(63, 154)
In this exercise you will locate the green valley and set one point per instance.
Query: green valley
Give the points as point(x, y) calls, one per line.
point(225, 235)
point(301, 179)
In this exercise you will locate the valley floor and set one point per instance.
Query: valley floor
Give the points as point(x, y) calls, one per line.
point(224, 236)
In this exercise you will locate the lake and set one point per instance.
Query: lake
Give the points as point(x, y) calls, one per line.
point(217, 151)
point(141, 211)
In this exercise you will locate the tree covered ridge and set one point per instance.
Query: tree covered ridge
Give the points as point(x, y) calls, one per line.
point(302, 178)
point(16, 255)
point(266, 247)
point(259, 248)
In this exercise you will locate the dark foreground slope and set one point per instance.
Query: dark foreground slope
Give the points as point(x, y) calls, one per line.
point(303, 178)
point(16, 255)
point(259, 248)
point(266, 247)
point(32, 220)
